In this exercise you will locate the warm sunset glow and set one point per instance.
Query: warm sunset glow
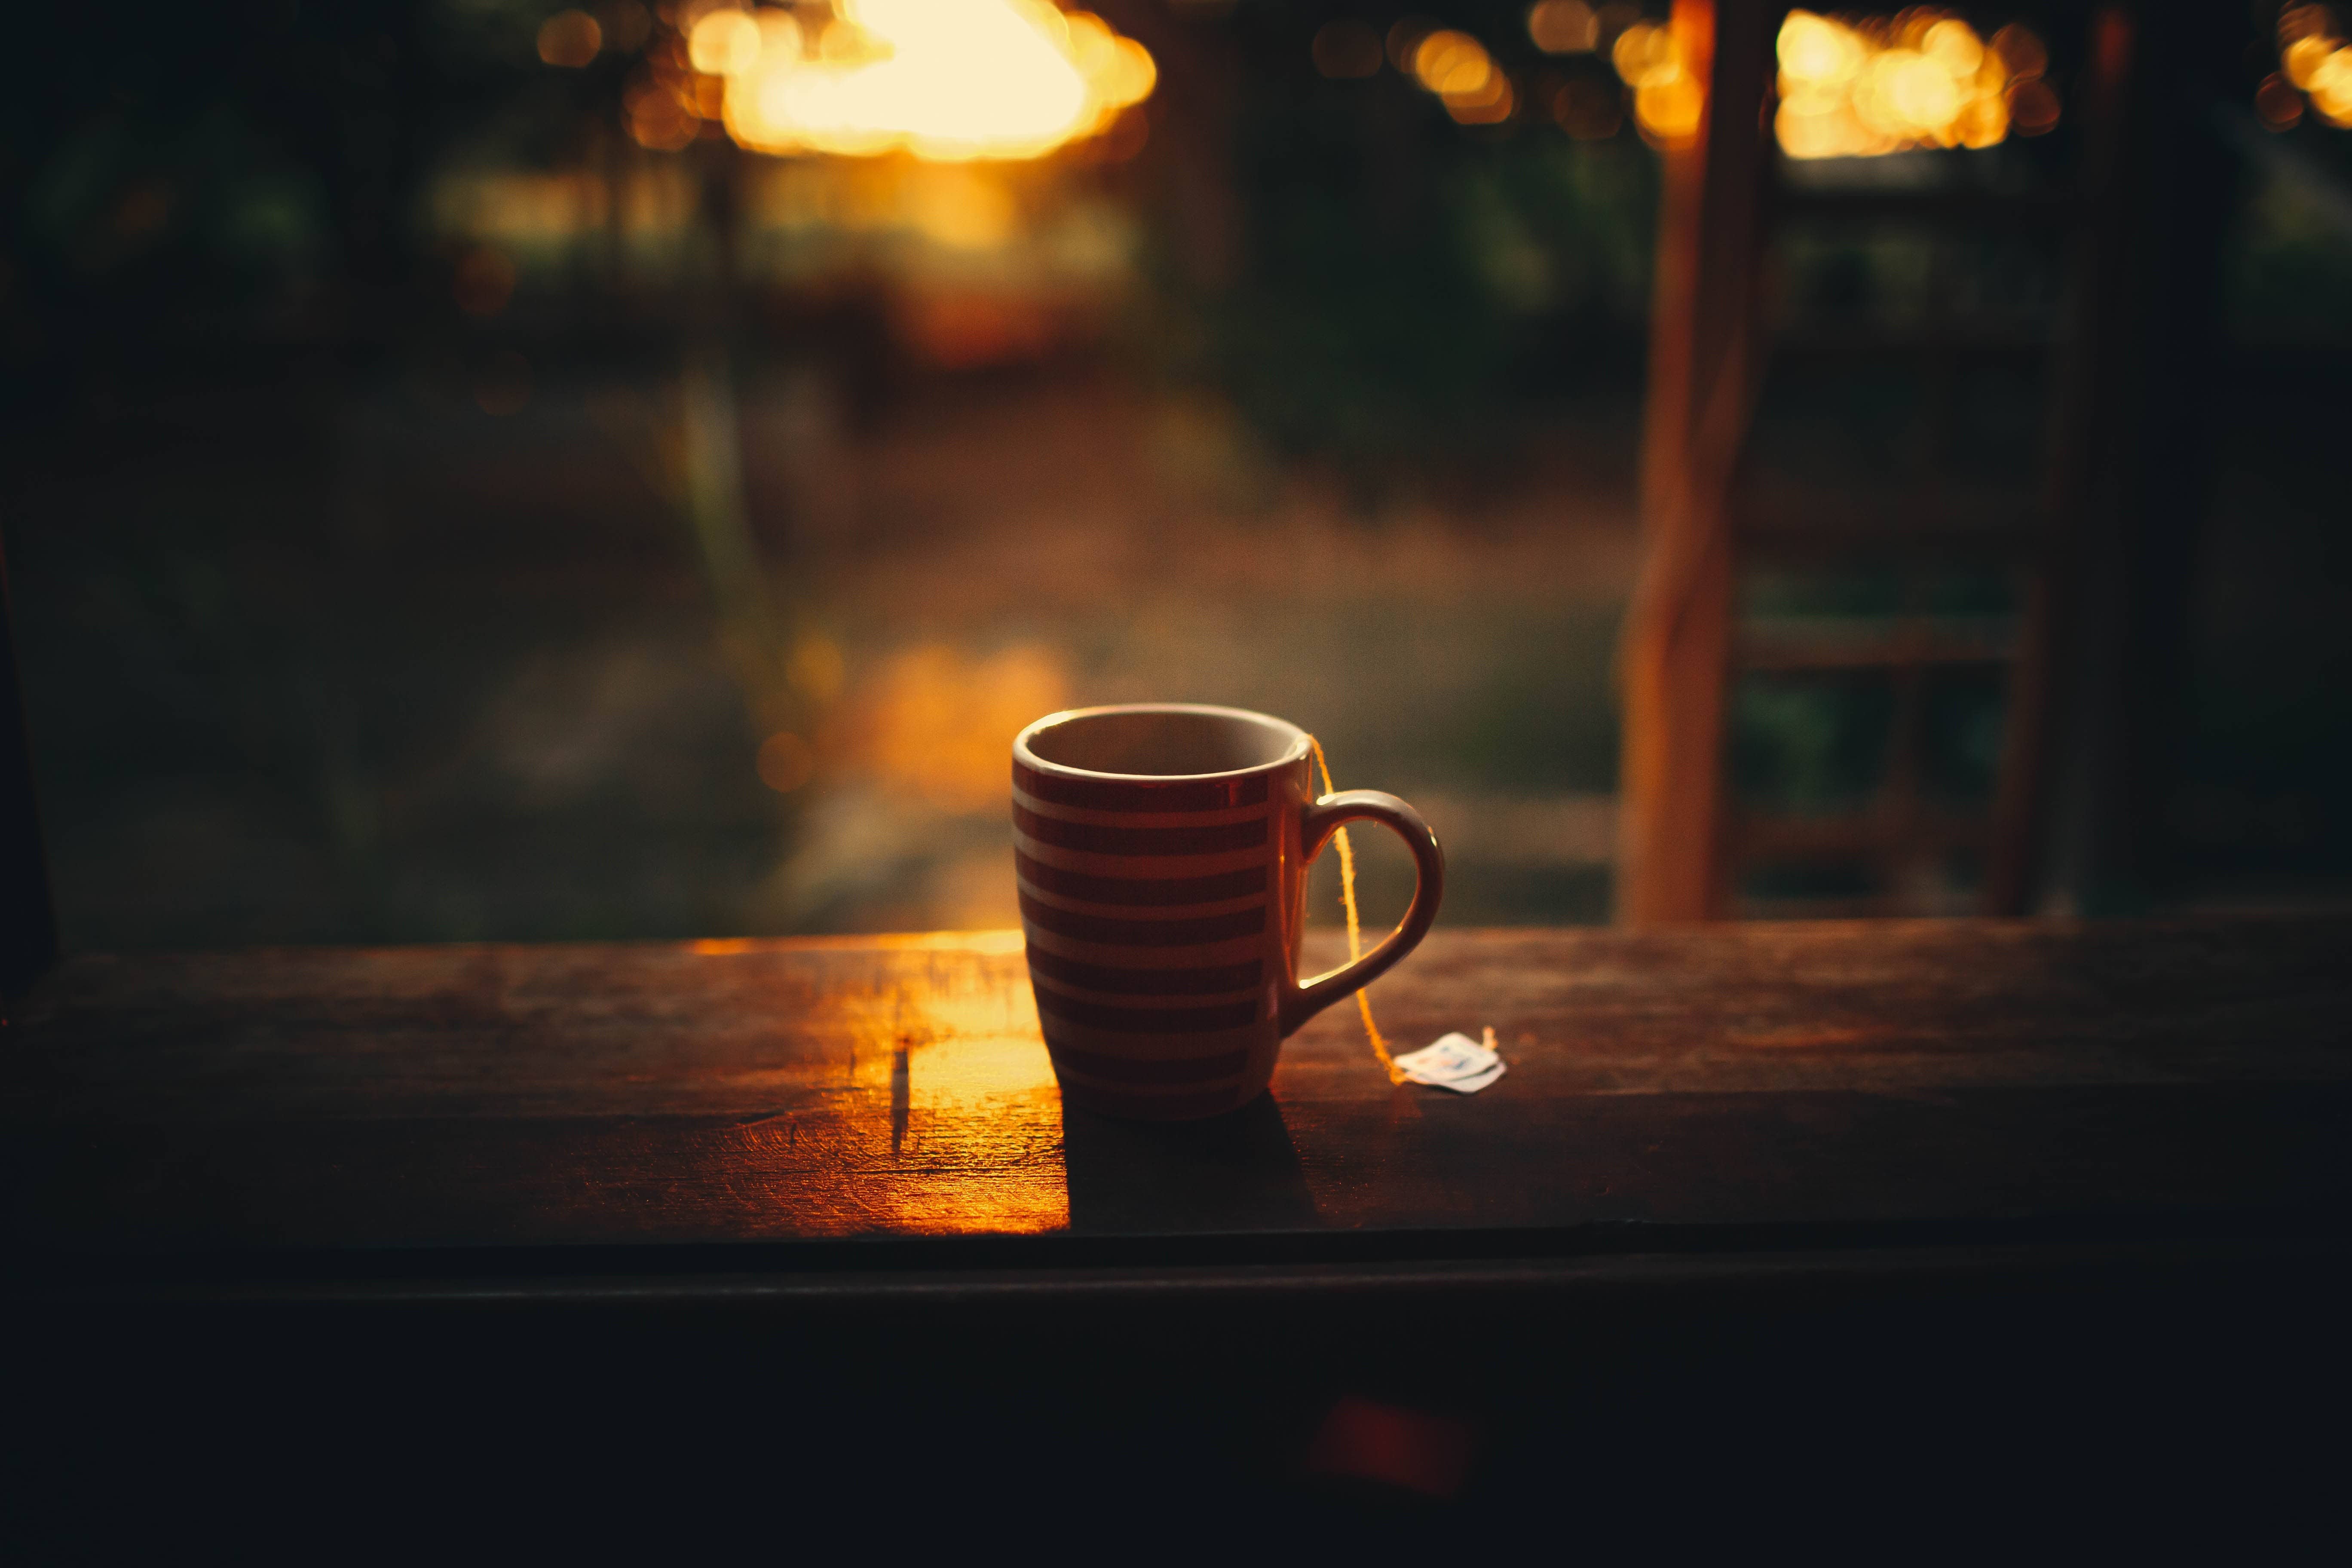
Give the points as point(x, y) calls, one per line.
point(947, 80)
point(1858, 87)
point(936, 725)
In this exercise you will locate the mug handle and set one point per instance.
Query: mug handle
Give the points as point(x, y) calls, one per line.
point(1321, 820)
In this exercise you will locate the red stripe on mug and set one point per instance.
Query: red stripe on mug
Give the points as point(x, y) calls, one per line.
point(1148, 1020)
point(1130, 1070)
point(1097, 840)
point(1142, 933)
point(1139, 795)
point(1139, 890)
point(1202, 982)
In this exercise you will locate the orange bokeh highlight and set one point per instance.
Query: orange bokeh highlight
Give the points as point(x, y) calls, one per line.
point(2314, 66)
point(1861, 87)
point(1466, 78)
point(1669, 102)
point(945, 80)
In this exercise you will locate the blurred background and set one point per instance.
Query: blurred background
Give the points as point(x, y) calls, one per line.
point(483, 469)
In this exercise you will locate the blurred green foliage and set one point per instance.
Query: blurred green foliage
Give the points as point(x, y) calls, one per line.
point(2290, 268)
point(1808, 745)
point(1406, 284)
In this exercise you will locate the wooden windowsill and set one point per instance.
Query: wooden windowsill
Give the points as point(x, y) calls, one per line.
point(723, 1111)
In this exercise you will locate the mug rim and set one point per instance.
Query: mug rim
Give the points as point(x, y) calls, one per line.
point(1299, 743)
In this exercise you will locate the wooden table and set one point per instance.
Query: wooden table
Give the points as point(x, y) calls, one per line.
point(1787, 1140)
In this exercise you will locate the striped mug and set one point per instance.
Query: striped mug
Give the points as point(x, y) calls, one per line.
point(1163, 851)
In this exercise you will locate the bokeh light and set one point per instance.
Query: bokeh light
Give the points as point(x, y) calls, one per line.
point(1563, 27)
point(725, 43)
point(2298, 22)
point(1645, 56)
point(2304, 56)
point(2032, 106)
point(1453, 65)
point(571, 40)
point(2315, 66)
point(2277, 103)
point(1670, 111)
point(1452, 62)
point(2021, 52)
point(947, 81)
point(1458, 69)
point(1403, 41)
point(1668, 100)
point(1860, 87)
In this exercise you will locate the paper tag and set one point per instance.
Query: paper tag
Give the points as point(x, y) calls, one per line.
point(1471, 1085)
point(1449, 1057)
point(1454, 1061)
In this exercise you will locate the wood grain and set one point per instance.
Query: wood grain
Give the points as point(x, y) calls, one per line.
point(777, 1092)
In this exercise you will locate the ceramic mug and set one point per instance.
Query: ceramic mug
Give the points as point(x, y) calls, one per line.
point(1162, 850)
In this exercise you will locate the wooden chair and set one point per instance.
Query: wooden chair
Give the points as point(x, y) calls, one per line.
point(1712, 527)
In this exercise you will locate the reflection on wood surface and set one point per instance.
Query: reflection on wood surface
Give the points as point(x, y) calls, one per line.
point(793, 1090)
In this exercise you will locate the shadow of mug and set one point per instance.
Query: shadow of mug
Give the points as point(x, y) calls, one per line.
point(1233, 1172)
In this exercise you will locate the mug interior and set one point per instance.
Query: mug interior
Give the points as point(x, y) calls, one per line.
point(1165, 742)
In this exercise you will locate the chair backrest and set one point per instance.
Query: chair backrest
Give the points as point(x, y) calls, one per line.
point(1709, 649)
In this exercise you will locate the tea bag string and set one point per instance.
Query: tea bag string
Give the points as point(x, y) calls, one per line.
point(1355, 926)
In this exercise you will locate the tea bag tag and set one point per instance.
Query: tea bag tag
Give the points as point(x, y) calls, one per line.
point(1454, 1061)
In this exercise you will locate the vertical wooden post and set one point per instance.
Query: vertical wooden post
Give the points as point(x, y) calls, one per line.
point(2139, 484)
point(2084, 448)
point(28, 926)
point(1703, 360)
